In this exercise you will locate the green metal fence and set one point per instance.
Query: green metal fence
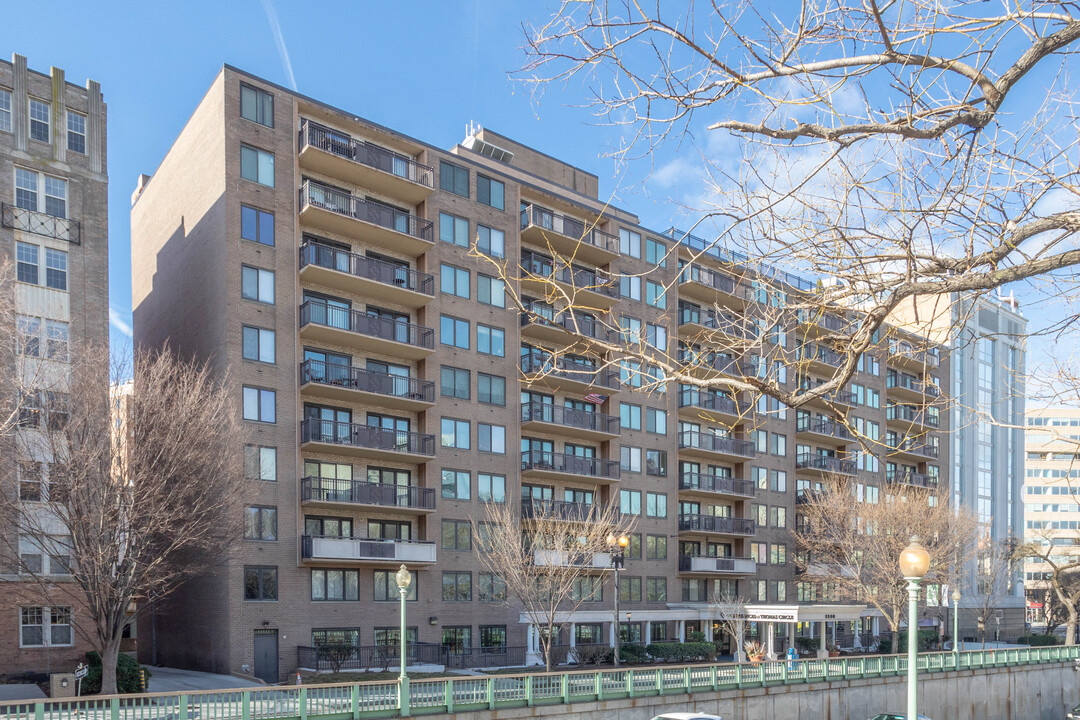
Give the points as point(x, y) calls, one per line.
point(460, 694)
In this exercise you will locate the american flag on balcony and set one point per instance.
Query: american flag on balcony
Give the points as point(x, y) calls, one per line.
point(596, 398)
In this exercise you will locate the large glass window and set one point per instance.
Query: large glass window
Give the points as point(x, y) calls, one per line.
point(456, 484)
point(260, 583)
point(256, 225)
point(453, 178)
point(455, 434)
point(454, 382)
point(257, 284)
point(257, 165)
point(260, 404)
point(260, 523)
point(258, 344)
point(490, 241)
point(454, 331)
point(490, 192)
point(453, 230)
point(256, 105)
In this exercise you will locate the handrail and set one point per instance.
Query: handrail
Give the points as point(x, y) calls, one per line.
point(39, 223)
point(315, 194)
point(354, 378)
point(717, 484)
point(541, 266)
point(366, 436)
point(322, 489)
point(567, 226)
point(569, 463)
point(320, 312)
point(825, 463)
point(716, 523)
point(312, 134)
point(570, 417)
point(715, 443)
point(362, 266)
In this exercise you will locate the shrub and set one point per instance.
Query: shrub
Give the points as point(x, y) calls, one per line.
point(127, 674)
point(682, 652)
point(337, 654)
point(633, 654)
point(1037, 640)
point(927, 639)
point(695, 637)
point(807, 645)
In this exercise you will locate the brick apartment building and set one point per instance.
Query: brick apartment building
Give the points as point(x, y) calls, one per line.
point(390, 389)
point(54, 228)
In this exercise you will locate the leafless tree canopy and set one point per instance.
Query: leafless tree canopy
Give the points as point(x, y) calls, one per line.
point(905, 149)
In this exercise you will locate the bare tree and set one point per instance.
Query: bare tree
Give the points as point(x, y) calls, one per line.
point(854, 544)
point(129, 505)
point(995, 562)
point(550, 557)
point(731, 610)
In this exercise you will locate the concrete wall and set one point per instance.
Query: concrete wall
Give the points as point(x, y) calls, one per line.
point(1036, 692)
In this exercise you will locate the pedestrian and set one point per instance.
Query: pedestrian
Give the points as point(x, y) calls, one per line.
point(792, 656)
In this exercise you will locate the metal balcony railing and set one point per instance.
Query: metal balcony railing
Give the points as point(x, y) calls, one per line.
point(536, 314)
point(911, 445)
point(319, 312)
point(824, 463)
point(709, 278)
point(323, 138)
point(537, 363)
point(318, 547)
point(367, 493)
point(823, 426)
point(713, 483)
point(565, 510)
point(910, 477)
point(715, 443)
point(570, 464)
point(569, 417)
point(361, 266)
point(39, 223)
point(315, 194)
point(721, 322)
point(713, 523)
point(894, 380)
point(700, 563)
point(544, 219)
point(911, 414)
point(366, 436)
point(930, 358)
point(578, 278)
point(354, 378)
point(689, 397)
point(816, 353)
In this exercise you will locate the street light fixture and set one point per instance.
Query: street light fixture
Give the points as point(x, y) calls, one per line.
point(956, 625)
point(404, 579)
point(914, 564)
point(618, 547)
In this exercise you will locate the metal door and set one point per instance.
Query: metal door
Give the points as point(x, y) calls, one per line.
point(266, 655)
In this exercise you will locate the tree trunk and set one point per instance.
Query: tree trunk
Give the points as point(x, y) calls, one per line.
point(109, 655)
point(1070, 626)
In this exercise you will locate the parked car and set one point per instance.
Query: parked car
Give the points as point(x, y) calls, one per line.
point(1073, 714)
point(687, 716)
point(896, 716)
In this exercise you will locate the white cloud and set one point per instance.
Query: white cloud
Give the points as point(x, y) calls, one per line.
point(119, 323)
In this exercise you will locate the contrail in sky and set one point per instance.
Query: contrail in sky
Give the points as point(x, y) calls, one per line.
point(283, 52)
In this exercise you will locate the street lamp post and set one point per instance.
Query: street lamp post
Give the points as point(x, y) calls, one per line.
point(618, 547)
point(914, 564)
point(956, 625)
point(404, 579)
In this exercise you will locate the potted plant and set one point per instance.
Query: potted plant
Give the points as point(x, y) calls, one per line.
point(833, 650)
point(755, 651)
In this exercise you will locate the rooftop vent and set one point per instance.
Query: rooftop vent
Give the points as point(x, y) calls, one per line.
point(472, 142)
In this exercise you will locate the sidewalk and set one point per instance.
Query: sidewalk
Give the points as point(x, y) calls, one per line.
point(174, 680)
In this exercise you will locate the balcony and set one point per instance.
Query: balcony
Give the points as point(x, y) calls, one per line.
point(567, 236)
point(815, 324)
point(717, 565)
point(322, 322)
point(585, 288)
point(846, 398)
point(897, 447)
point(352, 273)
point(807, 495)
point(712, 447)
point(696, 322)
point(824, 464)
point(692, 483)
point(335, 154)
point(331, 210)
point(567, 374)
point(39, 223)
point(564, 510)
point(716, 524)
point(903, 354)
point(904, 415)
point(694, 404)
point(344, 438)
point(816, 357)
point(563, 558)
point(822, 429)
point(711, 286)
point(551, 418)
point(341, 382)
point(561, 328)
point(909, 388)
point(564, 466)
point(906, 476)
point(335, 492)
point(363, 550)
point(708, 364)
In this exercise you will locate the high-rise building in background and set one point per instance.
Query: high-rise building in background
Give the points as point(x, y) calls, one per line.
point(391, 391)
point(54, 228)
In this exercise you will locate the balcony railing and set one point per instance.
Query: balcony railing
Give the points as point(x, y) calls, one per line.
point(581, 324)
point(317, 547)
point(713, 483)
point(361, 266)
point(568, 227)
point(911, 445)
point(568, 369)
point(570, 417)
point(713, 523)
point(699, 563)
point(825, 463)
point(317, 195)
point(715, 443)
point(909, 383)
point(816, 353)
point(367, 493)
point(569, 464)
point(720, 363)
point(826, 321)
point(578, 278)
point(910, 414)
point(807, 495)
point(39, 223)
point(823, 426)
point(712, 320)
point(366, 436)
point(930, 358)
point(709, 401)
point(910, 477)
point(354, 378)
point(323, 138)
point(543, 557)
point(564, 510)
point(709, 278)
point(319, 312)
point(840, 397)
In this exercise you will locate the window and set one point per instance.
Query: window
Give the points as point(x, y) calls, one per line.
point(655, 294)
point(335, 584)
point(258, 344)
point(778, 480)
point(76, 132)
point(40, 120)
point(453, 178)
point(631, 329)
point(630, 458)
point(779, 444)
point(656, 591)
point(453, 230)
point(256, 225)
point(587, 589)
point(760, 438)
point(45, 555)
point(260, 463)
point(630, 287)
point(260, 523)
point(456, 484)
point(31, 482)
point(490, 291)
point(257, 165)
point(630, 373)
point(656, 463)
point(491, 438)
point(456, 586)
point(56, 340)
point(490, 341)
point(493, 637)
point(257, 284)
point(630, 502)
point(260, 583)
point(778, 517)
point(455, 433)
point(260, 404)
point(491, 488)
point(386, 588)
point(454, 382)
point(656, 421)
point(26, 256)
point(45, 626)
point(489, 192)
point(454, 281)
point(655, 253)
point(656, 547)
point(492, 588)
point(490, 241)
point(490, 389)
point(656, 336)
point(629, 416)
point(256, 105)
point(630, 589)
point(55, 269)
point(31, 187)
point(656, 505)
point(5, 110)
point(456, 535)
point(28, 336)
point(629, 243)
point(454, 331)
